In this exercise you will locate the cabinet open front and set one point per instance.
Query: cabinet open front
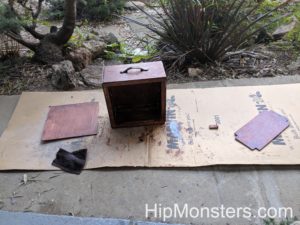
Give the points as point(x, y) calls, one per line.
point(136, 103)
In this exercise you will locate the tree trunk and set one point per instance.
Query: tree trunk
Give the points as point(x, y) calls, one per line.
point(65, 33)
point(49, 50)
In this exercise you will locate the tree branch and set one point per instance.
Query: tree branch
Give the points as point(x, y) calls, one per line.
point(39, 8)
point(33, 32)
point(20, 40)
point(24, 5)
point(30, 29)
point(36, 14)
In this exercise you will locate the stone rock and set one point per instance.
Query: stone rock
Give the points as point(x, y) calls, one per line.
point(80, 58)
point(284, 29)
point(194, 72)
point(92, 75)
point(97, 48)
point(63, 75)
point(109, 38)
point(132, 5)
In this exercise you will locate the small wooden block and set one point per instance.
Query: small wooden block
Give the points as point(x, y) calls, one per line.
point(214, 127)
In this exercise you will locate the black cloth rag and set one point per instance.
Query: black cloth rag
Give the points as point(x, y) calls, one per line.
point(71, 162)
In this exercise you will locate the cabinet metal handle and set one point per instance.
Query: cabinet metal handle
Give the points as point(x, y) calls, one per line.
point(134, 68)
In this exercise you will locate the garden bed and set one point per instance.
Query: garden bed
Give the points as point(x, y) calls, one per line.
point(277, 58)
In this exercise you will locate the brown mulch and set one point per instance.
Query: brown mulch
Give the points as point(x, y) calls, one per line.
point(21, 74)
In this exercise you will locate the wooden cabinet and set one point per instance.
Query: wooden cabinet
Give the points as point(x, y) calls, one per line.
point(135, 94)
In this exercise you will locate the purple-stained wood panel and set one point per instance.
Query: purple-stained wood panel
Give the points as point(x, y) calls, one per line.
point(261, 130)
point(69, 121)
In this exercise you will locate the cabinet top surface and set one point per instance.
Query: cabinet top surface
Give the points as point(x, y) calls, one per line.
point(134, 72)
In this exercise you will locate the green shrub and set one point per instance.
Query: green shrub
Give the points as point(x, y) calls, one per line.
point(87, 9)
point(8, 21)
point(286, 221)
point(56, 9)
point(124, 53)
point(78, 37)
point(201, 31)
point(289, 11)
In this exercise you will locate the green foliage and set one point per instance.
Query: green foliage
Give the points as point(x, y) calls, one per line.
point(121, 52)
point(87, 9)
point(289, 11)
point(294, 36)
point(201, 31)
point(286, 221)
point(8, 21)
point(56, 10)
point(78, 37)
point(101, 9)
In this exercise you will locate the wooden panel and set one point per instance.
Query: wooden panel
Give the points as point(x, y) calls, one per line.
point(67, 121)
point(261, 130)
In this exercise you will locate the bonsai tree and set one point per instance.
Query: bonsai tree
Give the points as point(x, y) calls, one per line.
point(17, 15)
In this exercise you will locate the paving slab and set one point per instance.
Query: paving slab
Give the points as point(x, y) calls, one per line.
point(126, 192)
point(7, 107)
point(17, 218)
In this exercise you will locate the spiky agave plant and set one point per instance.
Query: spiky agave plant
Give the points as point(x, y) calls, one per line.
point(203, 31)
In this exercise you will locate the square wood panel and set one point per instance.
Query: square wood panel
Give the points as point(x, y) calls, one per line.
point(68, 121)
